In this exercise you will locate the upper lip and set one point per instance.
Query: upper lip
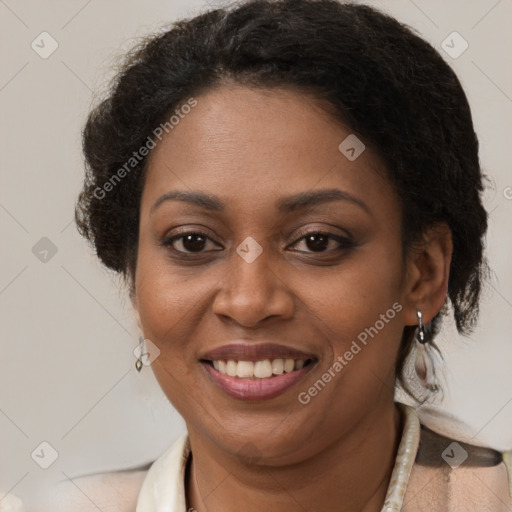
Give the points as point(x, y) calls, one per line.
point(254, 352)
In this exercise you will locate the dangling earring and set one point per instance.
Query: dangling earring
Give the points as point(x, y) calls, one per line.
point(424, 362)
point(138, 363)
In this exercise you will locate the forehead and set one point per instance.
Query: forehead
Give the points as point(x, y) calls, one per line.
point(253, 145)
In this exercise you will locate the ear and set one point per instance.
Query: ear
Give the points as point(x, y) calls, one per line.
point(135, 305)
point(428, 270)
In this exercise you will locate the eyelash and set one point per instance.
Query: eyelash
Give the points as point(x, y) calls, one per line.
point(344, 242)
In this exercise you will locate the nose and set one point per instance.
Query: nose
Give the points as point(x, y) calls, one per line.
point(252, 292)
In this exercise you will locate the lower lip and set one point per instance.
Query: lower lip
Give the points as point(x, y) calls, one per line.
point(256, 389)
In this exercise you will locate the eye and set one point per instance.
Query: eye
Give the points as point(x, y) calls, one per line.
point(319, 241)
point(189, 242)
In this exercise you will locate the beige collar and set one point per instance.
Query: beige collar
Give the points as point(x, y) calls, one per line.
point(163, 489)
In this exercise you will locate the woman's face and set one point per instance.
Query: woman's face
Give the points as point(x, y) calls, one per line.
point(259, 175)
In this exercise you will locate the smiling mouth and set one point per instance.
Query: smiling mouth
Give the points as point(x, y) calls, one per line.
point(249, 371)
point(262, 369)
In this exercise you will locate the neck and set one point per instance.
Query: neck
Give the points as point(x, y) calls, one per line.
point(353, 473)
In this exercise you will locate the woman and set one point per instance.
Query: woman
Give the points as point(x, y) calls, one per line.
point(292, 191)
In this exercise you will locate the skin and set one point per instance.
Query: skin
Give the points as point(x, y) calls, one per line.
point(250, 148)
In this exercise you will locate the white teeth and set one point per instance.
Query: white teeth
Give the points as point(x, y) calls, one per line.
point(257, 369)
point(262, 369)
point(277, 366)
point(231, 367)
point(245, 369)
point(289, 365)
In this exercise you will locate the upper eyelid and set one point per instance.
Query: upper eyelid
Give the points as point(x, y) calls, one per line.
point(323, 230)
point(177, 236)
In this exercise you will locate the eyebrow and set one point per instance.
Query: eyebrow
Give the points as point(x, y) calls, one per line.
point(287, 204)
point(206, 201)
point(308, 199)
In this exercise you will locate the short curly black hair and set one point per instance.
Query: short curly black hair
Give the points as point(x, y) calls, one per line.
point(383, 81)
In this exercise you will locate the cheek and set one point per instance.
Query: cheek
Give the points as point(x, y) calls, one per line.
point(170, 310)
point(358, 309)
point(170, 301)
point(358, 312)
point(164, 295)
point(355, 295)
point(174, 305)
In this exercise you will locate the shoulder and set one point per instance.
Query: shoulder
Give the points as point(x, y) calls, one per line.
point(115, 491)
point(455, 476)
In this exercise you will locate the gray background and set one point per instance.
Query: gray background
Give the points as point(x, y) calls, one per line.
point(67, 329)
